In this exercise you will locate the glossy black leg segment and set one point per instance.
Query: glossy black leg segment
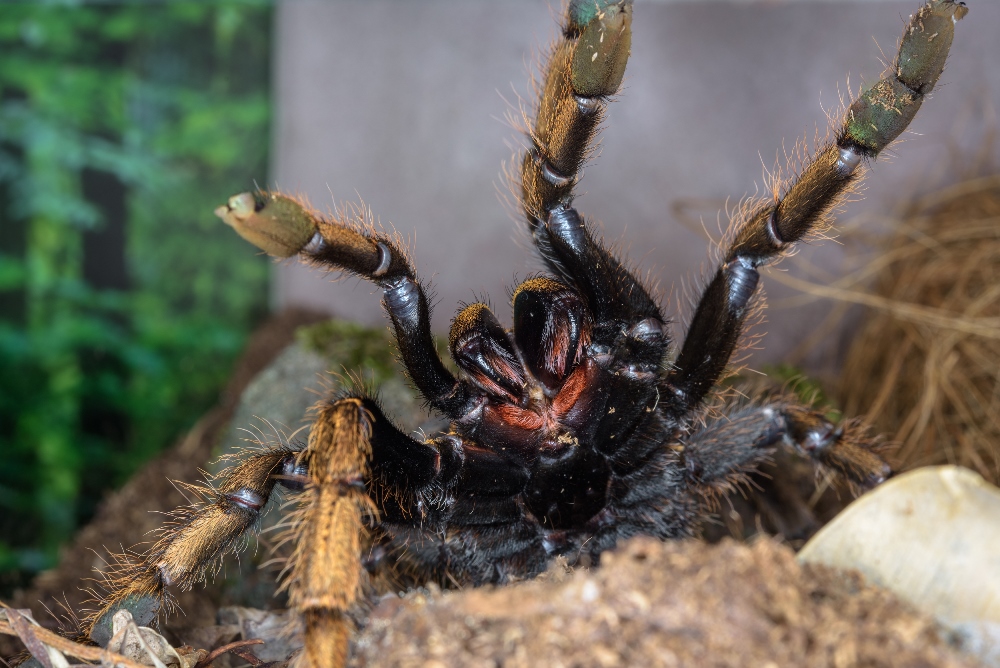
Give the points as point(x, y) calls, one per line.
point(740, 441)
point(485, 491)
point(613, 294)
point(398, 460)
point(766, 235)
point(443, 481)
point(466, 526)
point(406, 303)
point(400, 466)
point(714, 332)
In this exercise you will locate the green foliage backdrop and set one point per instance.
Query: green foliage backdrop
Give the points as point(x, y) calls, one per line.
point(123, 300)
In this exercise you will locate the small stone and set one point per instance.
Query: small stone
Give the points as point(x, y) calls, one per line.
point(932, 536)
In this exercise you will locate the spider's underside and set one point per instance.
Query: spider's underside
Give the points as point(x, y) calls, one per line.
point(581, 425)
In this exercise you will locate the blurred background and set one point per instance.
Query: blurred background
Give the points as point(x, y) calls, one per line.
point(124, 302)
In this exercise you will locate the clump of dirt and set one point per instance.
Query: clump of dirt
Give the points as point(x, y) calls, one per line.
point(651, 603)
point(683, 603)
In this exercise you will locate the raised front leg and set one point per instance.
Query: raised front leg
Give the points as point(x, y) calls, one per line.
point(283, 227)
point(629, 336)
point(767, 231)
point(584, 69)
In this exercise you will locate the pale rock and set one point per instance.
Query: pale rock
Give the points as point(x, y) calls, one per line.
point(931, 536)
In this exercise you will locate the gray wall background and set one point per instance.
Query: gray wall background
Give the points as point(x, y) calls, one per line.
point(401, 104)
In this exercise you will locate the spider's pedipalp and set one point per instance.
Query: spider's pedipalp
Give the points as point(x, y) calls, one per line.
point(483, 350)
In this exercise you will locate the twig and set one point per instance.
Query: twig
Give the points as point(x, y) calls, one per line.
point(985, 327)
point(23, 629)
point(65, 646)
point(235, 648)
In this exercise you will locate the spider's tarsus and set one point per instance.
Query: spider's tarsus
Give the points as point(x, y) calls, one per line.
point(278, 225)
point(882, 112)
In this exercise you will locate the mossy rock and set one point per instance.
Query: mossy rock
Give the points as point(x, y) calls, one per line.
point(326, 358)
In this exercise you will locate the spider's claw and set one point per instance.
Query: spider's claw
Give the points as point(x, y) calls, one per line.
point(850, 454)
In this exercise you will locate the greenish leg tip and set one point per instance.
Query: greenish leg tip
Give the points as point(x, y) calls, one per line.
point(582, 12)
point(601, 55)
point(925, 44)
point(144, 610)
point(881, 114)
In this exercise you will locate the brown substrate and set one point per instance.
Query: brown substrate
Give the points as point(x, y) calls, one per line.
point(662, 604)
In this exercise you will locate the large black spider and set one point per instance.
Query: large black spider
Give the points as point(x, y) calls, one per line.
point(579, 427)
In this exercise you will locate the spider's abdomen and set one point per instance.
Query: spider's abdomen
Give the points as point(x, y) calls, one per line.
point(543, 397)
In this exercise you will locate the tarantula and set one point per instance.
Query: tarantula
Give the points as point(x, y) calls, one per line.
point(578, 427)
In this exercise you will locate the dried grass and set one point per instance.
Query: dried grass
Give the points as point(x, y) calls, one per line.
point(925, 364)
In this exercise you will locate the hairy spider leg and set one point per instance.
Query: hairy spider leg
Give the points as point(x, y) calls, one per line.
point(324, 575)
point(447, 510)
point(767, 232)
point(190, 546)
point(742, 440)
point(629, 336)
point(372, 499)
point(379, 503)
point(352, 245)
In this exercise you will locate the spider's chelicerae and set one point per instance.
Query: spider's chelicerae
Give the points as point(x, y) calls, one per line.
point(580, 426)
